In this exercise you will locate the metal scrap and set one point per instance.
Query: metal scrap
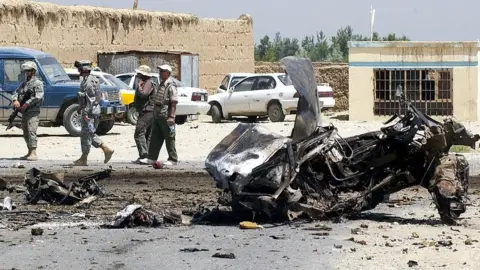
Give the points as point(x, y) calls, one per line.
point(50, 187)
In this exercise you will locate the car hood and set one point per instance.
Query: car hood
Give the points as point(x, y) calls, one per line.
point(308, 116)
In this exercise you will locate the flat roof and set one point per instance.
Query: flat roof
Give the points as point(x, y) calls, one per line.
point(406, 44)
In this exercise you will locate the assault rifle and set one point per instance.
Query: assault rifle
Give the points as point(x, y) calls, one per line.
point(15, 112)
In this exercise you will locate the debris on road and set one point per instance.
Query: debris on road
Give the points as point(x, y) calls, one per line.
point(193, 250)
point(7, 204)
point(135, 215)
point(250, 225)
point(37, 231)
point(51, 188)
point(412, 263)
point(224, 255)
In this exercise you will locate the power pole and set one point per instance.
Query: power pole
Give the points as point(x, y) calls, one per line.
point(135, 4)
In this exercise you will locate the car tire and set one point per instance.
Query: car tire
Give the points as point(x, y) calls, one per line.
point(181, 119)
point(252, 119)
point(105, 126)
point(132, 115)
point(275, 112)
point(216, 114)
point(72, 120)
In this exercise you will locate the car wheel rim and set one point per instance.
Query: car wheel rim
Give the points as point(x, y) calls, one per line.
point(76, 121)
point(275, 113)
point(135, 116)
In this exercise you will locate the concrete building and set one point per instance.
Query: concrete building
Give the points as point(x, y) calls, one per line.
point(441, 78)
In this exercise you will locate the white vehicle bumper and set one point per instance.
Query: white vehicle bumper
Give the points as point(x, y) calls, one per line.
point(328, 102)
point(290, 105)
point(192, 107)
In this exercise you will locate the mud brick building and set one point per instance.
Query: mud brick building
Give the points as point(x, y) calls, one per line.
point(78, 32)
point(440, 78)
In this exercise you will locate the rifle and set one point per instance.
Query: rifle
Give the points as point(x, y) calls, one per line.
point(15, 112)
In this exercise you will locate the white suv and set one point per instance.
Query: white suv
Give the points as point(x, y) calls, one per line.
point(271, 95)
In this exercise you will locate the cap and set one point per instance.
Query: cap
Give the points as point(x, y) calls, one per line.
point(165, 67)
point(144, 70)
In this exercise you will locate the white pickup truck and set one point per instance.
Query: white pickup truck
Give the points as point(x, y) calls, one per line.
point(255, 95)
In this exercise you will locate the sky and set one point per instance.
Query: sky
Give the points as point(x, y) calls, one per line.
point(421, 20)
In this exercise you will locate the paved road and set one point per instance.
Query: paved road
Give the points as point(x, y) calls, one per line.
point(297, 248)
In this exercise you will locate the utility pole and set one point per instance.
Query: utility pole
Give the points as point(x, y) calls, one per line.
point(135, 4)
point(372, 20)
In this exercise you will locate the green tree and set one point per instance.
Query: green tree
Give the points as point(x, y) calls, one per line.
point(315, 47)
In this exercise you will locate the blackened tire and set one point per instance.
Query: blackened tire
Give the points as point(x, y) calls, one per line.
point(181, 119)
point(105, 126)
point(216, 113)
point(275, 112)
point(132, 115)
point(72, 120)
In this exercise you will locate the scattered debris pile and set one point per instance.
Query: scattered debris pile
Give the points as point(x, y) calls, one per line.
point(135, 215)
point(51, 188)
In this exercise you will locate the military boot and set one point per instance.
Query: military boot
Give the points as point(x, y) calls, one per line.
point(32, 156)
point(27, 155)
point(82, 161)
point(108, 152)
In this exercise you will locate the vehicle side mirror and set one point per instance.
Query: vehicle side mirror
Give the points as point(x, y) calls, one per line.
point(231, 89)
point(223, 87)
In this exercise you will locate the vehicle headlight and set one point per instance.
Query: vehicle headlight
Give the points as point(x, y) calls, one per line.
point(104, 95)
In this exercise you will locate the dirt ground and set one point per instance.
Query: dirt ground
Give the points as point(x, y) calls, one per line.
point(156, 194)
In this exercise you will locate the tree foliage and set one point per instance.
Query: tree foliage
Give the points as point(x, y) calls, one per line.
point(315, 47)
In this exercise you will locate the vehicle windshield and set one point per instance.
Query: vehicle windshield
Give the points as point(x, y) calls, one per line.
point(285, 79)
point(53, 70)
point(117, 82)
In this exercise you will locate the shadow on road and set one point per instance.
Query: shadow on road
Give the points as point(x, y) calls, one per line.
point(388, 218)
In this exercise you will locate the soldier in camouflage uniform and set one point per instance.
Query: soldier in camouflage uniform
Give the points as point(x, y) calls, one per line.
point(33, 87)
point(144, 104)
point(163, 126)
point(89, 98)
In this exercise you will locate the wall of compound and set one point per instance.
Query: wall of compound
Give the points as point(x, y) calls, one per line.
point(79, 32)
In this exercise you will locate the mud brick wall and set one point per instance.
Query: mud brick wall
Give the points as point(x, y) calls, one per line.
point(336, 74)
point(79, 32)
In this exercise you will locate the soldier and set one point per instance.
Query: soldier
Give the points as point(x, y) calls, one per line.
point(89, 98)
point(144, 104)
point(32, 90)
point(163, 126)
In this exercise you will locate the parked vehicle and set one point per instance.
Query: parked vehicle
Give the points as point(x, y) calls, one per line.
point(230, 80)
point(191, 101)
point(108, 79)
point(271, 95)
point(60, 100)
point(317, 174)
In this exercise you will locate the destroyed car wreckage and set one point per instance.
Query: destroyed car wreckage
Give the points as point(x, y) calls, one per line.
point(317, 173)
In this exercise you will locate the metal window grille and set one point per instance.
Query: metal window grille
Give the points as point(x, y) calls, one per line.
point(430, 90)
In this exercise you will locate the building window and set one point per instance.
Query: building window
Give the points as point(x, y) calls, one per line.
point(430, 90)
